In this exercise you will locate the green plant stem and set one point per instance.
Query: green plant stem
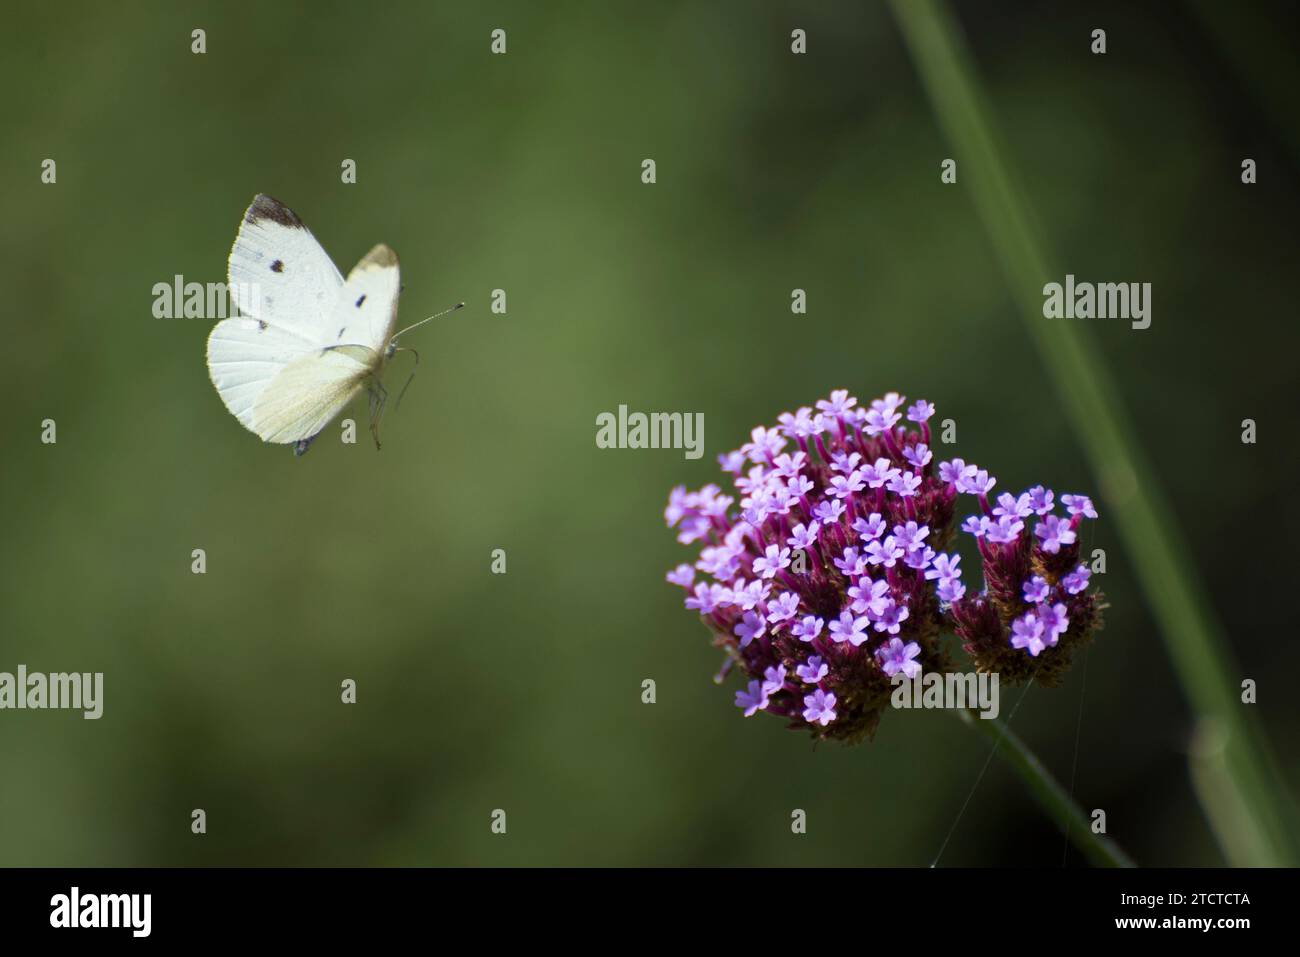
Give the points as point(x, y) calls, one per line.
point(1127, 481)
point(1098, 848)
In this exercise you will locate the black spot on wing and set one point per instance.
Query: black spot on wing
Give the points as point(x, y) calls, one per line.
point(277, 266)
point(265, 207)
point(261, 324)
point(361, 300)
point(341, 329)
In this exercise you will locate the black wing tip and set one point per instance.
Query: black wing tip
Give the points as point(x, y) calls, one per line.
point(268, 207)
point(382, 255)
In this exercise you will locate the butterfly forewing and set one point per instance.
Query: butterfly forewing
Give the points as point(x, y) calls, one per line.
point(280, 274)
point(366, 311)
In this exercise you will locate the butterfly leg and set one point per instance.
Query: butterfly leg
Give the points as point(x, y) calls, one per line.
point(378, 399)
point(410, 378)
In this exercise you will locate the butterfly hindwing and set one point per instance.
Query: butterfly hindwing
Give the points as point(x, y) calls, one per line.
point(309, 392)
point(244, 356)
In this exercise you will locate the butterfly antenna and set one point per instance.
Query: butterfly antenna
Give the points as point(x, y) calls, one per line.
point(445, 312)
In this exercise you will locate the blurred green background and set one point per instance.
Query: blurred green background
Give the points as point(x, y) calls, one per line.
point(522, 691)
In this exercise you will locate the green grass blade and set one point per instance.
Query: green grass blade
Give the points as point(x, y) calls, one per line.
point(1127, 481)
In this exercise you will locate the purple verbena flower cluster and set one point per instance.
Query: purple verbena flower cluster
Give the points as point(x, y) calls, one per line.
point(829, 571)
point(1034, 584)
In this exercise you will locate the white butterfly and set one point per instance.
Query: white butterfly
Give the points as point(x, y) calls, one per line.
point(308, 341)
